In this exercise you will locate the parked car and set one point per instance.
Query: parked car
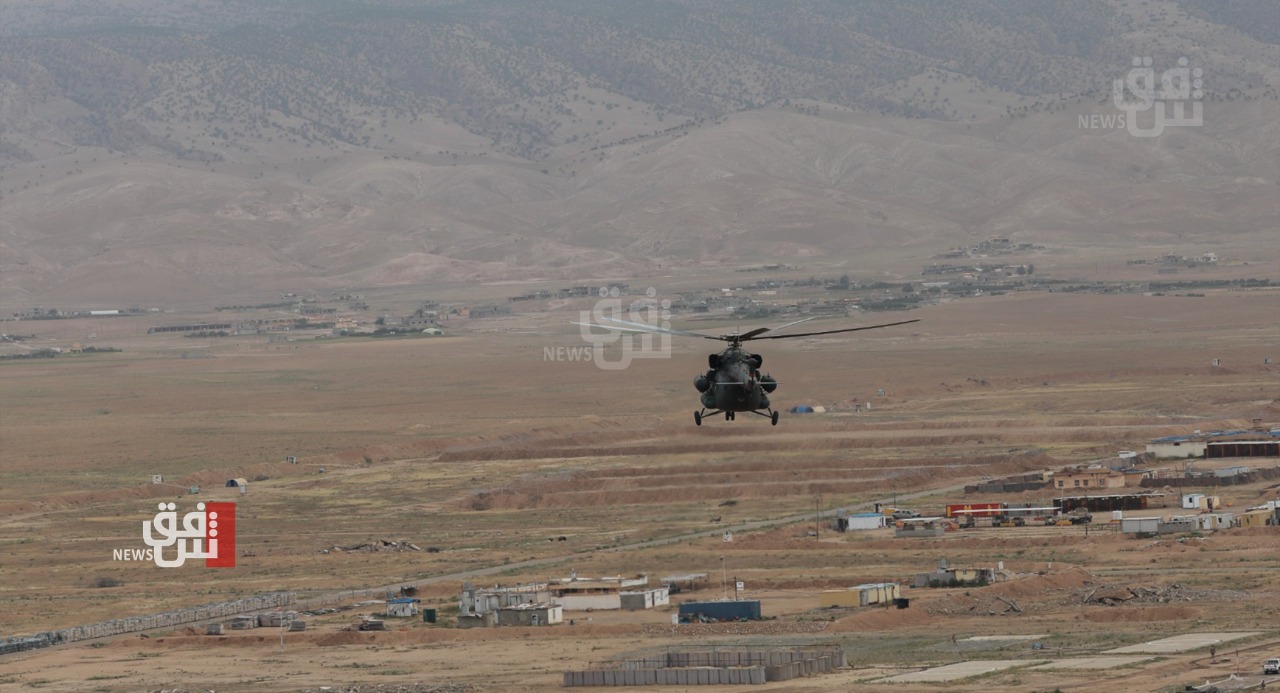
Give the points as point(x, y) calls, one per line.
point(1271, 666)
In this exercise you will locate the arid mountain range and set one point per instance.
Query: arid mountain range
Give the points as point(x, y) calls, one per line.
point(185, 150)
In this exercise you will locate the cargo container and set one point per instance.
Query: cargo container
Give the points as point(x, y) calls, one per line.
point(975, 509)
point(699, 612)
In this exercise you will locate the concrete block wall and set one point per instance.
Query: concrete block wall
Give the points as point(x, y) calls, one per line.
point(696, 676)
point(742, 658)
point(712, 668)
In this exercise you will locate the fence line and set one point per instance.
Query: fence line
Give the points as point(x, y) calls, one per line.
point(179, 617)
point(139, 623)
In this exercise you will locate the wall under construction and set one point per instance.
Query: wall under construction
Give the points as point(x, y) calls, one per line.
point(711, 668)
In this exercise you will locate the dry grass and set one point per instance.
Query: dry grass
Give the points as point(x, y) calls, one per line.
point(412, 434)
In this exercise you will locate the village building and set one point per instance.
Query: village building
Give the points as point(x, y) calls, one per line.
point(420, 319)
point(1200, 501)
point(1218, 444)
point(479, 608)
point(1197, 523)
point(607, 593)
point(530, 615)
point(946, 576)
point(1106, 503)
point(645, 599)
point(541, 604)
point(402, 607)
point(1090, 477)
point(1260, 516)
point(1133, 477)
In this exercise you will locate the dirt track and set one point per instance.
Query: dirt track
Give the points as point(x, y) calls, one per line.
point(454, 459)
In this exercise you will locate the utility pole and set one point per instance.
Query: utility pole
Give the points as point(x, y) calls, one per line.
point(724, 580)
point(285, 622)
point(817, 517)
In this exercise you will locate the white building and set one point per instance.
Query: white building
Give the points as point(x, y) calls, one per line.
point(606, 593)
point(1200, 501)
point(478, 602)
point(645, 599)
point(1140, 525)
point(530, 615)
point(488, 607)
point(1177, 446)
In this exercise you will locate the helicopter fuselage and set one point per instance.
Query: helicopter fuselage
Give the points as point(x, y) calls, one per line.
point(734, 383)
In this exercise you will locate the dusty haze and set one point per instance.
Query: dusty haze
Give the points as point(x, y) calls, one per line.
point(185, 151)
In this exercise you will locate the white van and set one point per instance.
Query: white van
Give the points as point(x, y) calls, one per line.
point(1271, 666)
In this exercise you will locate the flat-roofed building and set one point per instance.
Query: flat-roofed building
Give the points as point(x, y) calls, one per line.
point(1091, 477)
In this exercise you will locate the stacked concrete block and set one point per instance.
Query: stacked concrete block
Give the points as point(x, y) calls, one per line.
point(732, 667)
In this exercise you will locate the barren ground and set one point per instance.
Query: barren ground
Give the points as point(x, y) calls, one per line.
point(476, 446)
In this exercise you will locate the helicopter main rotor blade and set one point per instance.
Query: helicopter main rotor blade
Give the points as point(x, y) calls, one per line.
point(847, 329)
point(615, 328)
point(754, 334)
point(797, 322)
point(646, 327)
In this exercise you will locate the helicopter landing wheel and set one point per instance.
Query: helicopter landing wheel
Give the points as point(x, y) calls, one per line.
point(697, 418)
point(774, 419)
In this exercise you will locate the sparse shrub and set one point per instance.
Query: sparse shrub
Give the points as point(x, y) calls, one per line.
point(482, 501)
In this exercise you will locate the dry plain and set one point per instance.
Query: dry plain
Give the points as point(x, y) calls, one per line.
point(478, 447)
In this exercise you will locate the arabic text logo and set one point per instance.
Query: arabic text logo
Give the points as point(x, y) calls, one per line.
point(635, 343)
point(209, 532)
point(1180, 91)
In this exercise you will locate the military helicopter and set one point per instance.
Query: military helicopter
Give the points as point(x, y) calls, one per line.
point(733, 382)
